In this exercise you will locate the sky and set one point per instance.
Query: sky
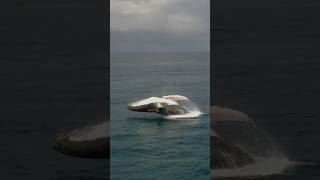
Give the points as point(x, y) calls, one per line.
point(160, 25)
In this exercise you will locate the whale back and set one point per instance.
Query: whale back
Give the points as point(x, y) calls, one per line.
point(88, 142)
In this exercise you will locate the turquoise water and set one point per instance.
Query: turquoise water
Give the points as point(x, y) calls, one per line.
point(147, 146)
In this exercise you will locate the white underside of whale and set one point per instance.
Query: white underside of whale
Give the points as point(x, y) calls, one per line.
point(192, 114)
point(90, 133)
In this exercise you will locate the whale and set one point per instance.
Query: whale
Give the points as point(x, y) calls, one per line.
point(236, 140)
point(166, 105)
point(88, 142)
point(225, 153)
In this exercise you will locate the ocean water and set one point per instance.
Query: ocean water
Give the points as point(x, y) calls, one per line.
point(266, 64)
point(53, 80)
point(147, 146)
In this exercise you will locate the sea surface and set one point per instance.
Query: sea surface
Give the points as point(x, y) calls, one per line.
point(266, 64)
point(145, 145)
point(53, 76)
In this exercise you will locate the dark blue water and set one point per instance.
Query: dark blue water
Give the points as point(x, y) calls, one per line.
point(266, 63)
point(146, 146)
point(53, 79)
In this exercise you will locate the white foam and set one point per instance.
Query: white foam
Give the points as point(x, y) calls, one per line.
point(154, 100)
point(192, 114)
point(175, 97)
point(261, 167)
point(90, 133)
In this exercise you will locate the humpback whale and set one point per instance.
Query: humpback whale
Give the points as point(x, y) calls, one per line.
point(88, 142)
point(235, 139)
point(226, 154)
point(171, 105)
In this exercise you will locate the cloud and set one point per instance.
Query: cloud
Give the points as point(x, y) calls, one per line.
point(159, 19)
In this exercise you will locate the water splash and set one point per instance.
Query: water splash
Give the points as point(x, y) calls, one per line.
point(261, 167)
point(192, 114)
point(193, 110)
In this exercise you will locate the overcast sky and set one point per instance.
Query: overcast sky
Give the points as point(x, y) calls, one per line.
point(160, 25)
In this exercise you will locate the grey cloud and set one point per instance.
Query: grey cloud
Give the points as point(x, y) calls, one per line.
point(160, 25)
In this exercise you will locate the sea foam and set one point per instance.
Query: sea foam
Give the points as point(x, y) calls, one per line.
point(192, 114)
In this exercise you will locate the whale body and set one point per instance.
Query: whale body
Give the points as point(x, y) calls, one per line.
point(88, 142)
point(224, 153)
point(234, 138)
point(227, 155)
point(166, 105)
